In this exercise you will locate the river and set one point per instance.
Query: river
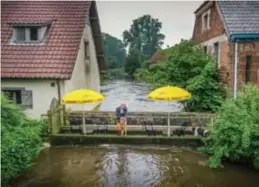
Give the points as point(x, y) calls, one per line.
point(128, 166)
point(134, 95)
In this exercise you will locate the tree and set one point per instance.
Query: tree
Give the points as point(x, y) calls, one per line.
point(185, 65)
point(115, 52)
point(133, 61)
point(144, 35)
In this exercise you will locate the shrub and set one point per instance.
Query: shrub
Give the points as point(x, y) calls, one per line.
point(235, 132)
point(21, 140)
point(185, 65)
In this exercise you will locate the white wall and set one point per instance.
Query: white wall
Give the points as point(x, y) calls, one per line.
point(81, 78)
point(42, 94)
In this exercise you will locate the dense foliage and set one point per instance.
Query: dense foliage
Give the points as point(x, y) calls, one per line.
point(133, 61)
point(144, 35)
point(235, 131)
point(21, 140)
point(185, 65)
point(115, 52)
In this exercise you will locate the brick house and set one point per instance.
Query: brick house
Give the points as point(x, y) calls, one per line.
point(220, 26)
point(49, 48)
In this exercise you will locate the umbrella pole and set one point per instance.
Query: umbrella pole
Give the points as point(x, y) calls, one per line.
point(168, 123)
point(84, 131)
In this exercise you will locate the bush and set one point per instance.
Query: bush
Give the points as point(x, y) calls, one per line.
point(235, 132)
point(185, 65)
point(21, 140)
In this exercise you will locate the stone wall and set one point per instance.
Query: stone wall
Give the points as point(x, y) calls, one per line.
point(138, 118)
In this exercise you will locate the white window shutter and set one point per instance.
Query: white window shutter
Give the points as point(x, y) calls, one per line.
point(27, 100)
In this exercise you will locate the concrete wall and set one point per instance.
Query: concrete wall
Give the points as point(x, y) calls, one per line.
point(86, 72)
point(42, 94)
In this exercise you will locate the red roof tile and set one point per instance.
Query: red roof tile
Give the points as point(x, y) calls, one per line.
point(156, 58)
point(56, 57)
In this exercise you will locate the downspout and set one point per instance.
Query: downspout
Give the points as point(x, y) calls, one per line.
point(59, 91)
point(235, 70)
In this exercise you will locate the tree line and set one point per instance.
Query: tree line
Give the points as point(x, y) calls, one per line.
point(141, 40)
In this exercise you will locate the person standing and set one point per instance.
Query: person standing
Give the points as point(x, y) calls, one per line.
point(121, 114)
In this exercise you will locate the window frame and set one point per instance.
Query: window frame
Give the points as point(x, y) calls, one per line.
point(216, 56)
point(206, 23)
point(21, 92)
point(41, 34)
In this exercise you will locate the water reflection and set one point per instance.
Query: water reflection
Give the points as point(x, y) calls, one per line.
point(124, 166)
point(134, 95)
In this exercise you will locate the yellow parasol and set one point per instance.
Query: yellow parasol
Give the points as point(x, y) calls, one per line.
point(82, 97)
point(169, 93)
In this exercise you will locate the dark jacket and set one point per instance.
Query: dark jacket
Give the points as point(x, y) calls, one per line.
point(121, 112)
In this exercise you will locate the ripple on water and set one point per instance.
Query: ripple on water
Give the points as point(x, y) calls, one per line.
point(130, 166)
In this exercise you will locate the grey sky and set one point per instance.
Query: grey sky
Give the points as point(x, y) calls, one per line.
point(177, 17)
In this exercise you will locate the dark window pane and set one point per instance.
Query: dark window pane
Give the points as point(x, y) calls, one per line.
point(248, 68)
point(34, 34)
point(20, 34)
point(205, 49)
point(216, 51)
point(18, 97)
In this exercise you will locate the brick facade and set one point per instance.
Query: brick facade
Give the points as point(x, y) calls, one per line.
point(226, 54)
point(216, 25)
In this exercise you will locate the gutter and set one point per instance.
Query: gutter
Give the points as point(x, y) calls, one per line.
point(244, 38)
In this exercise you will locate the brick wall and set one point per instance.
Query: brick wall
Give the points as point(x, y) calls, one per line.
point(226, 68)
point(216, 25)
point(243, 51)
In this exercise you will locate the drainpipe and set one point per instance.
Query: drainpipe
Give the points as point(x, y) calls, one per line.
point(59, 92)
point(235, 70)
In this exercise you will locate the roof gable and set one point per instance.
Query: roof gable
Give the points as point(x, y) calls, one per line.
point(240, 17)
point(57, 56)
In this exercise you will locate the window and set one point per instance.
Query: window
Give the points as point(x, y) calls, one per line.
point(34, 34)
point(216, 52)
point(20, 34)
point(86, 50)
point(29, 34)
point(248, 68)
point(14, 95)
point(19, 96)
point(206, 21)
point(205, 49)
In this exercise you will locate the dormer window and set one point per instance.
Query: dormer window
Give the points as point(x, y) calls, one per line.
point(206, 21)
point(29, 34)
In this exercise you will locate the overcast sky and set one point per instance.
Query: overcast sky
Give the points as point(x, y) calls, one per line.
point(177, 17)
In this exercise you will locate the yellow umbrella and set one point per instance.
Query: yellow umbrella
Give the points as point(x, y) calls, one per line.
point(169, 93)
point(82, 97)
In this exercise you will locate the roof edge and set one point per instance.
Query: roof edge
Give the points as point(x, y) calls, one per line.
point(222, 18)
point(244, 37)
point(201, 6)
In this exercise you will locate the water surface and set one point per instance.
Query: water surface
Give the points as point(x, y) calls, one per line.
point(135, 96)
point(127, 166)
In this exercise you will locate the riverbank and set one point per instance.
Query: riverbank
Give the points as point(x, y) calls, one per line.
point(78, 139)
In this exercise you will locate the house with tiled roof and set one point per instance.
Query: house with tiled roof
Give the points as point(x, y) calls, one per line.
point(48, 49)
point(229, 31)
